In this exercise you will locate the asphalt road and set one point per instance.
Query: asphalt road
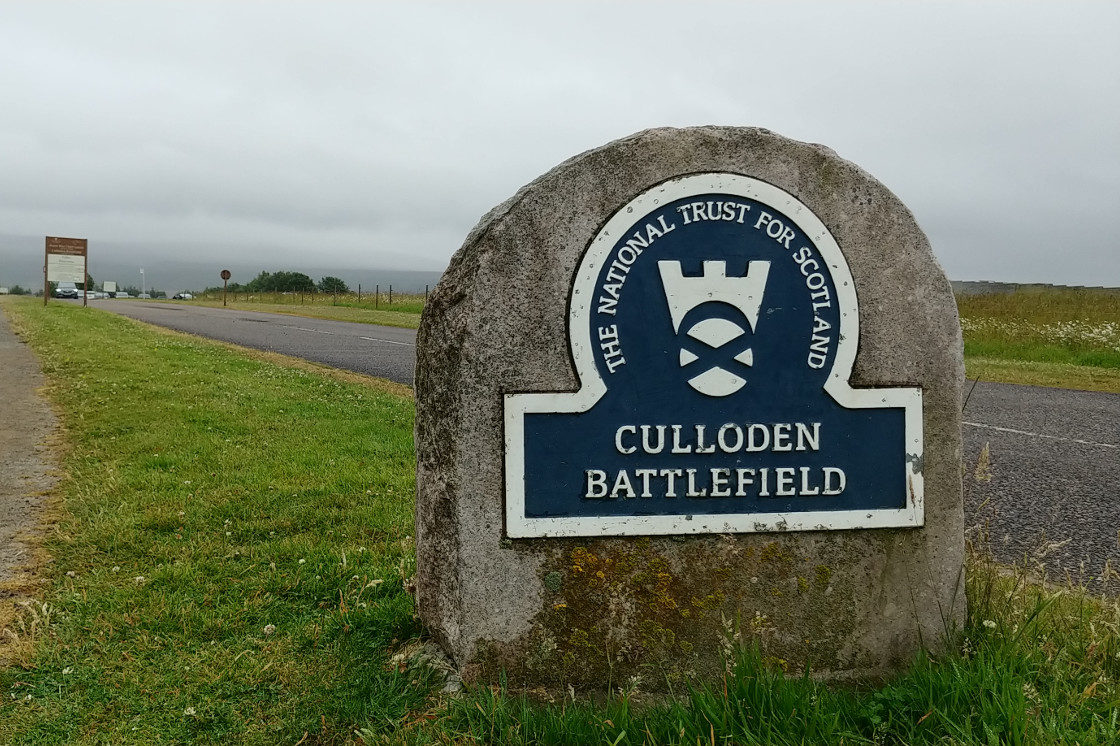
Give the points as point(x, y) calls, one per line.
point(1050, 491)
point(1050, 478)
point(382, 351)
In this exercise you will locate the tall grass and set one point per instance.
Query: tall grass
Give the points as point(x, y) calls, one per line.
point(372, 301)
point(231, 565)
point(1052, 325)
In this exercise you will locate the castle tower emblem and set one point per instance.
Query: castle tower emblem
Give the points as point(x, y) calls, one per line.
point(723, 348)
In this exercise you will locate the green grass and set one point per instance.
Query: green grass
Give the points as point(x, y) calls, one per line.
point(244, 494)
point(248, 494)
point(404, 311)
point(1057, 326)
point(1059, 375)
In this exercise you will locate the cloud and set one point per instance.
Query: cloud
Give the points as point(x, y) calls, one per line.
point(381, 132)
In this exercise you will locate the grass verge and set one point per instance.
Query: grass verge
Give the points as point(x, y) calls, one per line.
point(230, 567)
point(230, 562)
point(404, 311)
point(1055, 375)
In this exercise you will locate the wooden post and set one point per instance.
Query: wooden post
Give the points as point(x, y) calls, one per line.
point(376, 294)
point(359, 292)
point(425, 293)
point(225, 284)
point(46, 282)
point(390, 295)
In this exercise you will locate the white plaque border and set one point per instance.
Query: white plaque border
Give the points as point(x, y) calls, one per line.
point(592, 386)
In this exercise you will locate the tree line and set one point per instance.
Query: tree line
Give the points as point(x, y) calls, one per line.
point(287, 282)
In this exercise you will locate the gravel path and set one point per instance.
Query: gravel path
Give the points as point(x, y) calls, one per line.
point(27, 472)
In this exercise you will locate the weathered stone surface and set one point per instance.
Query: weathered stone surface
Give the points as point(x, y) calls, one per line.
point(593, 612)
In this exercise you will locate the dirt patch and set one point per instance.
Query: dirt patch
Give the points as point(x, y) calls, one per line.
point(29, 442)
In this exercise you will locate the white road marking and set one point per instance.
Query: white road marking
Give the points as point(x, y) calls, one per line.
point(387, 341)
point(305, 329)
point(1039, 435)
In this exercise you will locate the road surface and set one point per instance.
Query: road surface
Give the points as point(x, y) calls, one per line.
point(382, 351)
point(1042, 465)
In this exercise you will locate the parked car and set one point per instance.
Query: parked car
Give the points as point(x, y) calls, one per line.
point(122, 294)
point(182, 296)
point(67, 290)
point(144, 295)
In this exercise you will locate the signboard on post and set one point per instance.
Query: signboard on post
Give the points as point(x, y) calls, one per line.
point(65, 260)
point(225, 275)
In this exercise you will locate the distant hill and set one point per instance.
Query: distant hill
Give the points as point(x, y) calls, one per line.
point(21, 263)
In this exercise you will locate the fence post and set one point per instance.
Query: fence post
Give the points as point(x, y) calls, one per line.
point(390, 295)
point(376, 295)
point(359, 292)
point(425, 293)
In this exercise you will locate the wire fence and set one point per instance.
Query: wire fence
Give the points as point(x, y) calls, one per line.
point(378, 298)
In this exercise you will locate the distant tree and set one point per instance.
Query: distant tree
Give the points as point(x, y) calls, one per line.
point(130, 289)
point(19, 290)
point(87, 285)
point(281, 282)
point(333, 285)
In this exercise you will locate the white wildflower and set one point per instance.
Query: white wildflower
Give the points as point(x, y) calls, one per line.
point(189, 712)
point(269, 629)
point(989, 624)
point(138, 579)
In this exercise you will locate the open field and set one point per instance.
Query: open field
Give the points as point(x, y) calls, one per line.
point(1054, 336)
point(404, 311)
point(232, 560)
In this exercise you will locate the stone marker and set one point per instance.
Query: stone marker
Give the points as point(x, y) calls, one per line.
point(692, 389)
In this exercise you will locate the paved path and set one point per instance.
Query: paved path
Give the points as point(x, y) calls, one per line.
point(1052, 468)
point(27, 471)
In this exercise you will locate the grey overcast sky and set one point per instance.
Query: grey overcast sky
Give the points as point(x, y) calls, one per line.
point(377, 134)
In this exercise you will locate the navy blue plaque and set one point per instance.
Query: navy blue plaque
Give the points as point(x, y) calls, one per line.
point(713, 324)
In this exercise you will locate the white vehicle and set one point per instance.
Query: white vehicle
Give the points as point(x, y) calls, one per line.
point(122, 294)
point(183, 296)
point(144, 295)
